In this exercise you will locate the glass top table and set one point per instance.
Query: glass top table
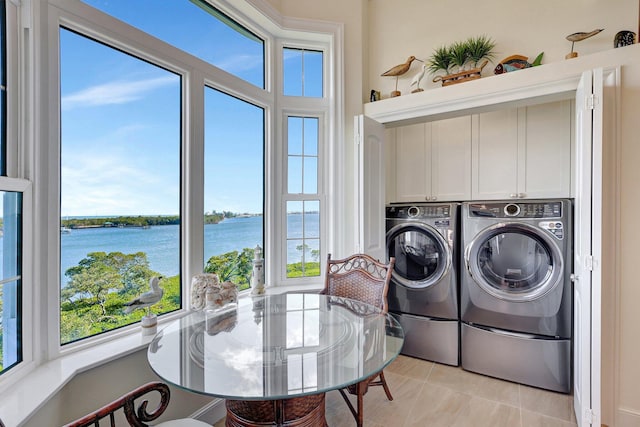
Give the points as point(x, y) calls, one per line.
point(276, 348)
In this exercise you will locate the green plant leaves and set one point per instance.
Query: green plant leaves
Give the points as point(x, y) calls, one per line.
point(461, 54)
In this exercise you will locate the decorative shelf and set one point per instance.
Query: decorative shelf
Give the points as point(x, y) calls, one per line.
point(545, 83)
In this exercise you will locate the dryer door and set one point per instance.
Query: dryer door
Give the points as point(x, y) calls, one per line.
point(514, 262)
point(422, 254)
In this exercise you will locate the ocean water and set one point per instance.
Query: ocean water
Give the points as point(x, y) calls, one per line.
point(161, 243)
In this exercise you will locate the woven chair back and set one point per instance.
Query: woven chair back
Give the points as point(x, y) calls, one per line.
point(359, 277)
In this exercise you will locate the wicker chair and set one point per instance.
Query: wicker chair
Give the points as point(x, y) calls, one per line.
point(362, 278)
point(139, 417)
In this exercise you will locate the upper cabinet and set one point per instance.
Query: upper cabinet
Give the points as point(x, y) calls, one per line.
point(522, 152)
point(433, 161)
point(511, 153)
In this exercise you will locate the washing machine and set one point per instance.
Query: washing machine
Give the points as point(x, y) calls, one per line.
point(516, 291)
point(423, 293)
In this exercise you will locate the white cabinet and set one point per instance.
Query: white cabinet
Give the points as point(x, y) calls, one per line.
point(433, 161)
point(522, 152)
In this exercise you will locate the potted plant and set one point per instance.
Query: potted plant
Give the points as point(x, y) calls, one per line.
point(440, 60)
point(480, 48)
point(475, 51)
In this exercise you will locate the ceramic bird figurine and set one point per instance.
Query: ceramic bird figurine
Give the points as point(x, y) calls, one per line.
point(147, 299)
point(516, 62)
point(576, 37)
point(418, 77)
point(397, 71)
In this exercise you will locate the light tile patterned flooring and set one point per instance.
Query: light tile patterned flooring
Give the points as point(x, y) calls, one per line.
point(427, 394)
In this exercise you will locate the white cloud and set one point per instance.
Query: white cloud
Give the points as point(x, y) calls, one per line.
point(115, 184)
point(117, 92)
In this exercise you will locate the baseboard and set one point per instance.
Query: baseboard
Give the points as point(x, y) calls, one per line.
point(627, 418)
point(212, 412)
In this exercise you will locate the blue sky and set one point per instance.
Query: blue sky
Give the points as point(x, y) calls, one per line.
point(121, 115)
point(128, 111)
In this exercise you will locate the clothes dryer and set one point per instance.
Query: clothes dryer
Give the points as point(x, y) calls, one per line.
point(423, 293)
point(516, 291)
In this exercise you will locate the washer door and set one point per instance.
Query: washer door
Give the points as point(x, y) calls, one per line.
point(422, 254)
point(514, 262)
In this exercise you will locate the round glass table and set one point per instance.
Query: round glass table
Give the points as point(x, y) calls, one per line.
point(273, 357)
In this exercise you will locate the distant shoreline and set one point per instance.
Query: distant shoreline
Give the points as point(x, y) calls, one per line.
point(140, 221)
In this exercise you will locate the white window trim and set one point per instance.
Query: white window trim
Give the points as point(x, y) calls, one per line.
point(38, 119)
point(320, 195)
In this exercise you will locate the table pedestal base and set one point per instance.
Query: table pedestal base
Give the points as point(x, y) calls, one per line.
point(305, 411)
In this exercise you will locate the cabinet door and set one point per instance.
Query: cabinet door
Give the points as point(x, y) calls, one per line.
point(390, 165)
point(495, 155)
point(545, 144)
point(413, 147)
point(451, 159)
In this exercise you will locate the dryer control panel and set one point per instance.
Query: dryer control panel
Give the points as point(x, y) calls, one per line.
point(516, 210)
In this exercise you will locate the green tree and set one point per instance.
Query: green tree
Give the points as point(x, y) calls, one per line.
point(99, 286)
point(100, 273)
point(232, 266)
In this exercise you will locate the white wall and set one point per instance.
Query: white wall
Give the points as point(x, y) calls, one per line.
point(415, 27)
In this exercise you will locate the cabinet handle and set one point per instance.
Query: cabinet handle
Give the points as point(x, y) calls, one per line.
point(434, 198)
point(427, 198)
point(513, 195)
point(521, 195)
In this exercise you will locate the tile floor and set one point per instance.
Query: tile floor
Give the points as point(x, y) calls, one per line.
point(427, 394)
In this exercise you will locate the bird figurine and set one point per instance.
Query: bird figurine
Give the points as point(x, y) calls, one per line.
point(418, 77)
point(397, 71)
point(147, 299)
point(516, 62)
point(576, 37)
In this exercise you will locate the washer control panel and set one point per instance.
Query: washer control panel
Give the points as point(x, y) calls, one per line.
point(418, 211)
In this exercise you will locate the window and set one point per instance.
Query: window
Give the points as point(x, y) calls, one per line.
point(234, 186)
point(10, 279)
point(302, 72)
point(3, 88)
point(303, 213)
point(198, 28)
point(12, 200)
point(169, 166)
point(119, 185)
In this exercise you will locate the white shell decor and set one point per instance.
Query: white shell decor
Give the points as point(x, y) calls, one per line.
point(221, 295)
point(207, 292)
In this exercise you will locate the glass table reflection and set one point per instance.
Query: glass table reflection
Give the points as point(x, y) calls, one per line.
point(275, 356)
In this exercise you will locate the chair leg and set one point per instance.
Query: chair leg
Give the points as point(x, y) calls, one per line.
point(360, 388)
point(358, 414)
point(385, 386)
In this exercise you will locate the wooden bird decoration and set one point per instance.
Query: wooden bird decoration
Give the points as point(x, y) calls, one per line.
point(397, 71)
point(576, 37)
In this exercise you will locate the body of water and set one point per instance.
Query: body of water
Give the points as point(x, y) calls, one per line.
point(161, 243)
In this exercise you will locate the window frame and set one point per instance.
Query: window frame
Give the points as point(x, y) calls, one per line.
point(319, 196)
point(196, 75)
point(13, 181)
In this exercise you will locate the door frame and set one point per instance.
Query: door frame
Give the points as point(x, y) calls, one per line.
point(542, 86)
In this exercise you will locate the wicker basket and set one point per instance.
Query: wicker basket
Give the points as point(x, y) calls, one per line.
point(462, 76)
